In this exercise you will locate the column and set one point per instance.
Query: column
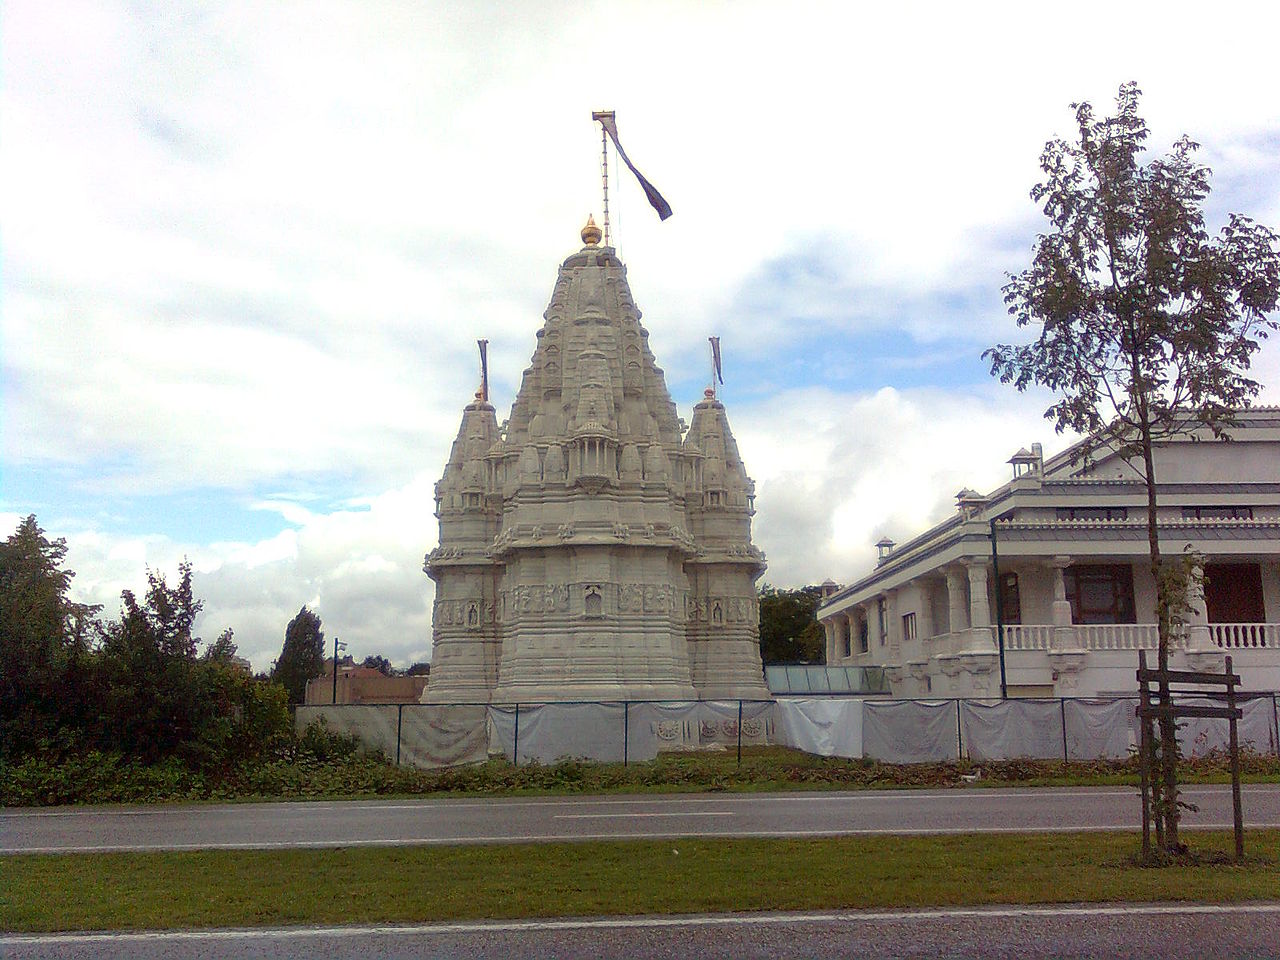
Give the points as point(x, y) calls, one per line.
point(1198, 636)
point(1064, 634)
point(893, 629)
point(958, 609)
point(830, 634)
point(924, 616)
point(979, 605)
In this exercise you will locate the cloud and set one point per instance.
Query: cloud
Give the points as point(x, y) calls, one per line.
point(248, 250)
point(837, 471)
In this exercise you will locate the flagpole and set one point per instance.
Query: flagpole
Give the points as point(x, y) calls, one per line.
point(604, 178)
point(711, 342)
point(484, 370)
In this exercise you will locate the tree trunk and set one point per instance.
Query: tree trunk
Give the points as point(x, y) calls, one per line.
point(1166, 807)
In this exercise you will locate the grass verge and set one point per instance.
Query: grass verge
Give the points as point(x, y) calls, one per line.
point(416, 884)
point(353, 774)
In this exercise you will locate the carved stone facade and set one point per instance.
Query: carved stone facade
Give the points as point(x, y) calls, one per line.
point(591, 548)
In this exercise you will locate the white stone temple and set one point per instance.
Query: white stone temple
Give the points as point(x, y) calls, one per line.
point(592, 548)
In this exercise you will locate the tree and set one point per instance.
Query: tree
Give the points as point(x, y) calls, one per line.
point(420, 668)
point(789, 628)
point(379, 663)
point(302, 657)
point(1147, 323)
point(44, 638)
point(222, 650)
point(154, 701)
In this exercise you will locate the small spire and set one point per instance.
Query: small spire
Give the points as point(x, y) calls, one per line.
point(591, 233)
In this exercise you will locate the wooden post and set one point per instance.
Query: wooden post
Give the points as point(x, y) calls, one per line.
point(1143, 754)
point(1236, 810)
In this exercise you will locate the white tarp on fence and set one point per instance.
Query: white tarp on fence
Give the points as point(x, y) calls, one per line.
point(827, 726)
point(1011, 729)
point(1100, 729)
point(374, 725)
point(428, 735)
point(1255, 729)
point(909, 731)
point(443, 735)
point(549, 732)
point(896, 731)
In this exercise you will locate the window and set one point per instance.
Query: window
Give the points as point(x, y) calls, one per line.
point(1093, 513)
point(846, 640)
point(882, 613)
point(593, 603)
point(1100, 593)
point(1233, 593)
point(909, 626)
point(1010, 598)
point(864, 643)
point(1217, 513)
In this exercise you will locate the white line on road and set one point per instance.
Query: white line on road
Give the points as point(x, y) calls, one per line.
point(630, 816)
point(627, 923)
point(727, 833)
point(843, 796)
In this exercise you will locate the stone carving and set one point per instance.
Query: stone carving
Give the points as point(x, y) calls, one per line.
point(593, 408)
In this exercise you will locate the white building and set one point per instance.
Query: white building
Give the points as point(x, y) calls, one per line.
point(594, 546)
point(1076, 598)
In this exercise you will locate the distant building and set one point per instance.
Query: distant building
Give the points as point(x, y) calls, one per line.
point(360, 684)
point(1075, 592)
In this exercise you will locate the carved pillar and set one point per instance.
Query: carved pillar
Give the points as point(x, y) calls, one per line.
point(893, 629)
point(831, 635)
point(979, 605)
point(1064, 634)
point(924, 616)
point(1198, 637)
point(958, 609)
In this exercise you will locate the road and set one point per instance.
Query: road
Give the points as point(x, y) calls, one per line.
point(1123, 932)
point(395, 822)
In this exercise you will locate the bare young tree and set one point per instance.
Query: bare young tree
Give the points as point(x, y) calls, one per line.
point(1147, 322)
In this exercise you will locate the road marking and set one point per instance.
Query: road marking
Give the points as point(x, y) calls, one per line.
point(446, 803)
point(629, 923)
point(709, 834)
point(632, 816)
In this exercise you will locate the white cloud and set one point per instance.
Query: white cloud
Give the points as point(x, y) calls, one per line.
point(248, 249)
point(835, 471)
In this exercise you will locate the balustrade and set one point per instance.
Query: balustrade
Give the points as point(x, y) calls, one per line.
point(1028, 636)
point(1243, 636)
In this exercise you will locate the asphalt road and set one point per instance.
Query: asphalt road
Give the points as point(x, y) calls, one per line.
point(1123, 932)
point(394, 822)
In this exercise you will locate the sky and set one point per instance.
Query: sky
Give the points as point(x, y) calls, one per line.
point(246, 250)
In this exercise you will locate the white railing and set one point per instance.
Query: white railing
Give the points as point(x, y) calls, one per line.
point(1028, 636)
point(1236, 636)
point(1118, 636)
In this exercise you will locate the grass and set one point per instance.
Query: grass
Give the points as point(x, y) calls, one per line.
point(416, 884)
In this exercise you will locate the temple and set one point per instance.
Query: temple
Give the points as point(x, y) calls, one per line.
point(591, 547)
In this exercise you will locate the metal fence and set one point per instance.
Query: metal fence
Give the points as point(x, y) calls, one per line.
point(895, 731)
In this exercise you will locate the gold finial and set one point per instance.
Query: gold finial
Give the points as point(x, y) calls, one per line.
point(591, 233)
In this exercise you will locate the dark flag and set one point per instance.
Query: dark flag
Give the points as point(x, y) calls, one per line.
point(715, 358)
point(655, 198)
point(484, 369)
